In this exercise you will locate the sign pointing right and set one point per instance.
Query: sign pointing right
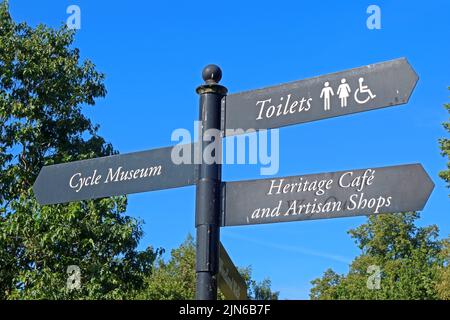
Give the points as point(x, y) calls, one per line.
point(361, 89)
point(326, 195)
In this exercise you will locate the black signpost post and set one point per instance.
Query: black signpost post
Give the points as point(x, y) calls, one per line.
point(207, 211)
point(296, 198)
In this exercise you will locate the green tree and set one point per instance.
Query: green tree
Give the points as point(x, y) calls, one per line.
point(409, 259)
point(258, 290)
point(445, 149)
point(443, 286)
point(443, 281)
point(43, 88)
point(175, 279)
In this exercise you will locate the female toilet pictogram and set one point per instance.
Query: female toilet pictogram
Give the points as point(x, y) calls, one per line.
point(344, 92)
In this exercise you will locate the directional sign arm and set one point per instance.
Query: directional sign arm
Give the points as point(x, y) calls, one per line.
point(112, 176)
point(327, 195)
point(361, 89)
point(230, 281)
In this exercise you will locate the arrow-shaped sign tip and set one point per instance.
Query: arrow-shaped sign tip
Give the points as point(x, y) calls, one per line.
point(38, 188)
point(428, 184)
point(411, 78)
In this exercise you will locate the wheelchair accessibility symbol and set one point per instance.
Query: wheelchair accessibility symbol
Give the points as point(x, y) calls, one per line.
point(362, 91)
point(362, 94)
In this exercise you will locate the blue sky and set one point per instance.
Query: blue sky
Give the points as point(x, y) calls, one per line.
point(153, 52)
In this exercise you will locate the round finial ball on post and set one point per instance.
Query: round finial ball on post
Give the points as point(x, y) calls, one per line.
point(212, 74)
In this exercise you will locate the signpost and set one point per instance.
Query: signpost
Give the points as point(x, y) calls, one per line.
point(307, 197)
point(111, 176)
point(230, 281)
point(207, 204)
point(327, 195)
point(367, 88)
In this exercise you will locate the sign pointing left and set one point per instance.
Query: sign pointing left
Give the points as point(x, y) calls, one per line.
point(112, 176)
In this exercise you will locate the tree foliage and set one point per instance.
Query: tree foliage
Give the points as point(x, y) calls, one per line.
point(445, 149)
point(444, 272)
point(43, 88)
point(411, 261)
point(175, 279)
point(443, 280)
point(258, 290)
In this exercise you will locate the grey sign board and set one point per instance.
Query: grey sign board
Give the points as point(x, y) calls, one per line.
point(230, 281)
point(326, 195)
point(356, 90)
point(112, 176)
